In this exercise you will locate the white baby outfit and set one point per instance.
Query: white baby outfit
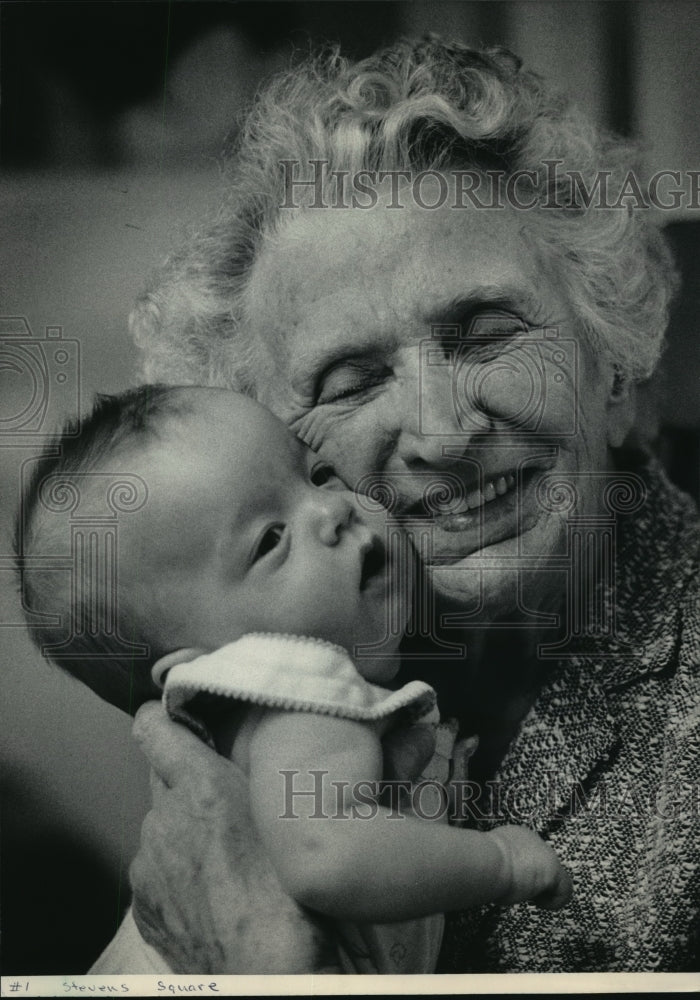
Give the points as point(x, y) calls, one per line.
point(309, 675)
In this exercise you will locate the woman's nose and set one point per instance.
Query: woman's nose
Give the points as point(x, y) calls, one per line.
point(426, 415)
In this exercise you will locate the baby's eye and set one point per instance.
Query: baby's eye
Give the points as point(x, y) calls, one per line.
point(322, 473)
point(269, 540)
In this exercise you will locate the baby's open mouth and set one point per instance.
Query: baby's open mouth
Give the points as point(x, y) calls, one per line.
point(373, 562)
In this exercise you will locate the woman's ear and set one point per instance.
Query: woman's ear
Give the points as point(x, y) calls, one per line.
point(621, 407)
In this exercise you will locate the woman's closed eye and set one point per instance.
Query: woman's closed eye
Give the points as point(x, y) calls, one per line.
point(271, 538)
point(351, 379)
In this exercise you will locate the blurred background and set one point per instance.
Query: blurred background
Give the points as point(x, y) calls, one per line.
point(113, 119)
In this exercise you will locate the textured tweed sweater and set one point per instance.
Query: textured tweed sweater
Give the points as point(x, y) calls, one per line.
point(606, 765)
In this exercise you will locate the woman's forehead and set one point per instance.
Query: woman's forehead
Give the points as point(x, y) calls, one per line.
point(330, 273)
point(316, 253)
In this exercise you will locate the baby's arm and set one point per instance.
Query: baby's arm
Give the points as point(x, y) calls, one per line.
point(378, 869)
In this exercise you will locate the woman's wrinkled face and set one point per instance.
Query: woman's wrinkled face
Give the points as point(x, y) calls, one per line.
point(433, 347)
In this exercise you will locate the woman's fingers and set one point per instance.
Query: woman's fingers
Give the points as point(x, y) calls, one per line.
point(207, 897)
point(158, 786)
point(185, 766)
point(174, 753)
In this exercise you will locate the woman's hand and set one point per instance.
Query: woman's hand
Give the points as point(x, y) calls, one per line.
point(205, 895)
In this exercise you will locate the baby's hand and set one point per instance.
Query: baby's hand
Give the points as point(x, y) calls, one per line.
point(536, 874)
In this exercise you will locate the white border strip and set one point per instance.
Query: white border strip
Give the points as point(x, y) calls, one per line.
point(211, 986)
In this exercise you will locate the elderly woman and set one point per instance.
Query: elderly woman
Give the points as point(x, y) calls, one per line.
point(412, 268)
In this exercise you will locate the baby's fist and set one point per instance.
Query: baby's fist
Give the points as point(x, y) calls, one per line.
point(535, 873)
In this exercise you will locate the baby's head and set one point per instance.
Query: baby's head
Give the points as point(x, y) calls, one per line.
point(244, 529)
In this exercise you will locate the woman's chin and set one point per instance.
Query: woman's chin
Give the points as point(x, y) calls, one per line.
point(503, 576)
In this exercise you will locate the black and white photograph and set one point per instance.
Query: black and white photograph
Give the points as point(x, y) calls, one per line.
point(349, 477)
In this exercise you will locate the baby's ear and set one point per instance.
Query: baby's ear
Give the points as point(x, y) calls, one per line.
point(163, 665)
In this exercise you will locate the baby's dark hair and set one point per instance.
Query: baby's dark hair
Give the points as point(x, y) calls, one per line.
point(107, 646)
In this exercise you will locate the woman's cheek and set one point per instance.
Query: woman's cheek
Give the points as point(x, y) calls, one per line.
point(355, 442)
point(357, 436)
point(531, 388)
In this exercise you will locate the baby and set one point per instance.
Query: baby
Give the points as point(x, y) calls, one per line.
point(260, 584)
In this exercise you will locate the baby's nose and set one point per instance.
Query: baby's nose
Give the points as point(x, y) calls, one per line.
point(332, 512)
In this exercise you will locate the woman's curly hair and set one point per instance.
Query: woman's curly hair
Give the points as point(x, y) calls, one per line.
point(427, 105)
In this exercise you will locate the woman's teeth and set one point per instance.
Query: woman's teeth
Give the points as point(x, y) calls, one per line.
point(492, 488)
point(463, 517)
